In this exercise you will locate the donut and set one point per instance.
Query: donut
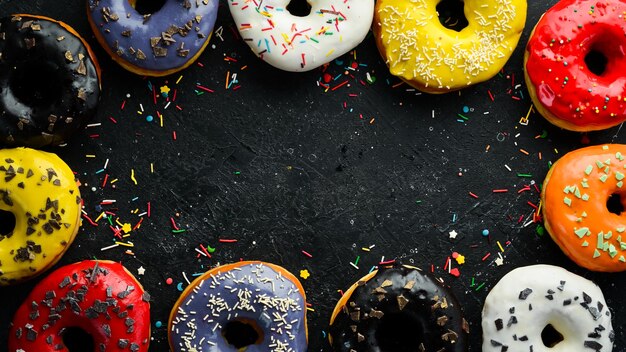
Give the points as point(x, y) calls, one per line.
point(544, 308)
point(153, 44)
point(302, 38)
point(248, 306)
point(574, 65)
point(86, 306)
point(49, 80)
point(436, 57)
point(583, 199)
point(398, 308)
point(39, 212)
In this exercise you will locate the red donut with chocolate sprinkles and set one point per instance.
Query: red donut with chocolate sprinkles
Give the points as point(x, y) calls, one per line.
point(87, 306)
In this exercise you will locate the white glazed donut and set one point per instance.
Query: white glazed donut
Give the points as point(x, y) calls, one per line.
point(298, 44)
point(539, 299)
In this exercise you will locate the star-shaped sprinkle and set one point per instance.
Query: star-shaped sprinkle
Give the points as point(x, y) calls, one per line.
point(499, 261)
point(304, 274)
point(141, 270)
point(452, 234)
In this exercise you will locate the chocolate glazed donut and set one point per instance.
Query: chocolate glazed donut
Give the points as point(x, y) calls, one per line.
point(398, 309)
point(49, 81)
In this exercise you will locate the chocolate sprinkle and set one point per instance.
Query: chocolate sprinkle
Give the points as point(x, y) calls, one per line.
point(525, 293)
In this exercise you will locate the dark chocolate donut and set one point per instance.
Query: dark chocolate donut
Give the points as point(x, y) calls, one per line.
point(401, 309)
point(49, 81)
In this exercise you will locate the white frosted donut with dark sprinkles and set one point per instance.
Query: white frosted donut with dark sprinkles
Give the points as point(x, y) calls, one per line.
point(293, 43)
point(541, 308)
point(246, 306)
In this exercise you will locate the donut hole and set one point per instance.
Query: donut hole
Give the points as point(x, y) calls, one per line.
point(614, 204)
point(76, 339)
point(596, 62)
point(399, 332)
point(37, 84)
point(299, 8)
point(452, 15)
point(242, 332)
point(147, 7)
point(550, 336)
point(7, 223)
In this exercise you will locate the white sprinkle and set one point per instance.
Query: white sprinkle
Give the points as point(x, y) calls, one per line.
point(199, 251)
point(109, 247)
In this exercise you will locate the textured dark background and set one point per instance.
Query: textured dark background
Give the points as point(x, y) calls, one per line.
point(282, 166)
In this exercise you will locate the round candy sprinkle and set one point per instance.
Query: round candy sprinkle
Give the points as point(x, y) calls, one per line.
point(485, 232)
point(169, 281)
point(158, 324)
point(149, 118)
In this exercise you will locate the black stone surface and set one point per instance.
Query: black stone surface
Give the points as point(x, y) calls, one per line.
point(283, 166)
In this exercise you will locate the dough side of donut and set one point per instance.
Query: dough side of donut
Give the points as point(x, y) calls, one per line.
point(40, 190)
point(527, 299)
point(574, 198)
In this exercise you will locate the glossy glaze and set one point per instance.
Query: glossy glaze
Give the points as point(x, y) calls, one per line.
point(47, 107)
point(421, 51)
point(434, 312)
point(298, 44)
point(574, 198)
point(258, 292)
point(529, 298)
point(100, 297)
point(40, 190)
point(566, 92)
point(159, 44)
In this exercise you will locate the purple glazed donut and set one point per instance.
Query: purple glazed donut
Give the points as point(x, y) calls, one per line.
point(156, 44)
point(247, 306)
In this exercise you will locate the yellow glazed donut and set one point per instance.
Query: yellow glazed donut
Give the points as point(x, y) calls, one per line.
point(420, 50)
point(39, 212)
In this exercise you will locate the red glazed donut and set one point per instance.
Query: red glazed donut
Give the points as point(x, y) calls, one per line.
point(101, 298)
point(575, 64)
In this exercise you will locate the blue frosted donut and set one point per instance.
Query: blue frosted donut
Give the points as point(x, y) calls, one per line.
point(251, 306)
point(157, 44)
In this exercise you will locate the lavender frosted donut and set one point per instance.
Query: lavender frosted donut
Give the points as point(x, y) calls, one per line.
point(246, 306)
point(156, 44)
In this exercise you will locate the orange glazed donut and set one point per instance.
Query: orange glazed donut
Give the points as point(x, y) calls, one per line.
point(583, 201)
point(575, 64)
point(95, 306)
